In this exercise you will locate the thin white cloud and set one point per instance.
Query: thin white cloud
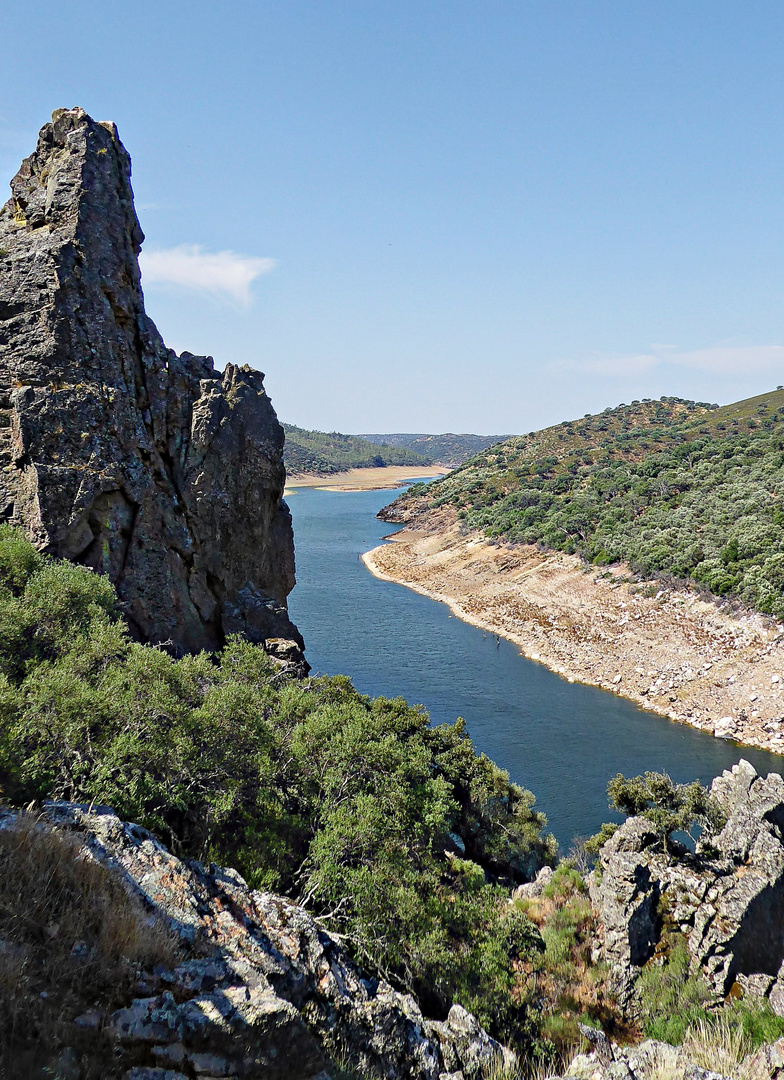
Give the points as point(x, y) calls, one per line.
point(608, 365)
point(720, 360)
point(733, 361)
point(221, 273)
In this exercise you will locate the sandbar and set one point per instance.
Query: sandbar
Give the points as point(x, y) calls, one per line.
point(389, 476)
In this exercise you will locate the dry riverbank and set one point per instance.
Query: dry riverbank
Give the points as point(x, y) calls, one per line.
point(671, 651)
point(389, 476)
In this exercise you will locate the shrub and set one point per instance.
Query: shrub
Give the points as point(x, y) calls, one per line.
point(670, 807)
point(671, 998)
point(342, 802)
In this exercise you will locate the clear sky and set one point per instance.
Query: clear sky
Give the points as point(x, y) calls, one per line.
point(431, 215)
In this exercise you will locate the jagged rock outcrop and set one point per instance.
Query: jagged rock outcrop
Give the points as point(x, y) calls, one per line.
point(652, 1060)
point(261, 990)
point(115, 452)
point(727, 898)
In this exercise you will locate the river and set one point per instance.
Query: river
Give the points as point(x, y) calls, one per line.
point(562, 740)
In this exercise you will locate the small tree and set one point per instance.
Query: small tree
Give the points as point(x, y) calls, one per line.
point(670, 807)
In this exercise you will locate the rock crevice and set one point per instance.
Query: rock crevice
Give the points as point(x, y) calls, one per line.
point(726, 898)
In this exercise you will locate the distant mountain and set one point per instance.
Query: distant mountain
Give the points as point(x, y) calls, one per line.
point(325, 453)
point(448, 449)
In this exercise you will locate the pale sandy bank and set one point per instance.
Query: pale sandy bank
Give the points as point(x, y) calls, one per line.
point(670, 651)
point(389, 476)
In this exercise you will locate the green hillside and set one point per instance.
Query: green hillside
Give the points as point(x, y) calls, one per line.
point(325, 453)
point(673, 487)
point(448, 449)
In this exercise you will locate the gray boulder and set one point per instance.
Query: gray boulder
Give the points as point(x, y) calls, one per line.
point(626, 895)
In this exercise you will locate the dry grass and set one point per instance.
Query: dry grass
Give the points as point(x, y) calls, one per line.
point(722, 1046)
point(71, 939)
point(566, 978)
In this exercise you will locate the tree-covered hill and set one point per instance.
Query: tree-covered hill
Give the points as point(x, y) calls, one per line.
point(670, 486)
point(325, 453)
point(448, 449)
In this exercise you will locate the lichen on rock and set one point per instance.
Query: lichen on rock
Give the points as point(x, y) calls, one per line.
point(115, 452)
point(260, 989)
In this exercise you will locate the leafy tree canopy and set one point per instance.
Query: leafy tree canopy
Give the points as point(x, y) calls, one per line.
point(670, 807)
point(355, 807)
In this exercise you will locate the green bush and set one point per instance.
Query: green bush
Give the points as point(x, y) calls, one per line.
point(674, 1002)
point(310, 788)
point(757, 1021)
point(670, 807)
point(671, 998)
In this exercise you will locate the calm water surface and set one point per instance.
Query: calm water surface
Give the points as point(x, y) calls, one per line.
point(562, 740)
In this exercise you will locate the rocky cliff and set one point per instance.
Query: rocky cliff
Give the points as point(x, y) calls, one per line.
point(726, 898)
point(254, 987)
point(115, 452)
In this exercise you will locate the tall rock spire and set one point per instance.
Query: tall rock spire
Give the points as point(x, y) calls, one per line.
point(115, 452)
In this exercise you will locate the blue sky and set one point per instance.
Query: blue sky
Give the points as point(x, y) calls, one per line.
point(441, 215)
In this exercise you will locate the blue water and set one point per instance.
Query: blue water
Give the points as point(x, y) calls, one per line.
point(562, 740)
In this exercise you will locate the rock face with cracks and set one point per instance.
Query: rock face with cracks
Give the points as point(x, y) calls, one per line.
point(726, 898)
point(115, 452)
point(261, 991)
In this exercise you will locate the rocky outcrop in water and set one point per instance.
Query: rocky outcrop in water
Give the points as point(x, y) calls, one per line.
point(115, 452)
point(727, 898)
point(260, 990)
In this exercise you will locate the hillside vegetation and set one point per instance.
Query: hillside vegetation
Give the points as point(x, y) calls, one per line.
point(396, 834)
point(445, 449)
point(672, 487)
point(325, 453)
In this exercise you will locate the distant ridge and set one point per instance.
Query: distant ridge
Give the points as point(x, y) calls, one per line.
point(447, 449)
point(325, 453)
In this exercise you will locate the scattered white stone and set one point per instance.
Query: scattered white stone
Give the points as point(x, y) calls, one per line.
point(616, 680)
point(724, 728)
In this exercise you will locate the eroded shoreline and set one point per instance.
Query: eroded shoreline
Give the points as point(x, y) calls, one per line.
point(375, 479)
point(669, 650)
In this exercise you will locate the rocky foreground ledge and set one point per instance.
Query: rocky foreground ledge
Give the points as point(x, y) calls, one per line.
point(259, 990)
